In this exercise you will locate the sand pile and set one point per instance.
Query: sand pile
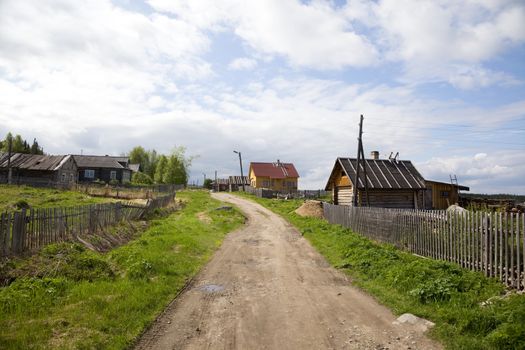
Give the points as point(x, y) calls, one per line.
point(311, 208)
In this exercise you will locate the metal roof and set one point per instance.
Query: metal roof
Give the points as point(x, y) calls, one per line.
point(276, 170)
point(134, 167)
point(33, 161)
point(382, 173)
point(101, 161)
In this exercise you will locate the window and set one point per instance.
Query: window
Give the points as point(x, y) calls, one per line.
point(71, 178)
point(89, 174)
point(444, 194)
point(113, 175)
point(63, 177)
point(126, 175)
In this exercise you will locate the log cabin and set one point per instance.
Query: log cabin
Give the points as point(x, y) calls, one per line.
point(38, 170)
point(391, 183)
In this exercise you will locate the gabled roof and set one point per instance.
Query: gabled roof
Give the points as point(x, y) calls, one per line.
point(276, 170)
point(33, 161)
point(238, 180)
point(101, 161)
point(382, 174)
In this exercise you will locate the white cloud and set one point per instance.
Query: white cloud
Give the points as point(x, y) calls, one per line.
point(314, 35)
point(444, 40)
point(243, 63)
point(494, 172)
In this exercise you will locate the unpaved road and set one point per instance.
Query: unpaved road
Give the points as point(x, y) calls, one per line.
point(267, 288)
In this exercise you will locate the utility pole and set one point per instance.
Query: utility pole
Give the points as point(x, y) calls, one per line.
point(240, 164)
point(360, 160)
point(203, 183)
point(216, 183)
point(9, 152)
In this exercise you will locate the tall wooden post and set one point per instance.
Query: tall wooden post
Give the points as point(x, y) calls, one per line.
point(356, 181)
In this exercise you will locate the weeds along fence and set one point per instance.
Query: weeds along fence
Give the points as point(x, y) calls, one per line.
point(28, 230)
point(492, 243)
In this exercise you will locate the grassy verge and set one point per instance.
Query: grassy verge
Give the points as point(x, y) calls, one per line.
point(450, 296)
point(12, 197)
point(87, 300)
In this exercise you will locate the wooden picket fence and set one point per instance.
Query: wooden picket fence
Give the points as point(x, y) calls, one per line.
point(492, 243)
point(28, 230)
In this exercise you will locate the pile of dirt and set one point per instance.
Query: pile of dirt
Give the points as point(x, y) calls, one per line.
point(311, 208)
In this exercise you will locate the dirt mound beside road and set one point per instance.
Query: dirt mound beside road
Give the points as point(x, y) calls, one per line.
point(311, 208)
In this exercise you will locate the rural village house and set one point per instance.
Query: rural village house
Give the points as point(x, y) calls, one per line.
point(35, 169)
point(391, 183)
point(104, 168)
point(275, 176)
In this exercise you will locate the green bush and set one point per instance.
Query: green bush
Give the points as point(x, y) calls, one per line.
point(141, 178)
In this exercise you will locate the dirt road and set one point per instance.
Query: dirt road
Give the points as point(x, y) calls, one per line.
point(267, 288)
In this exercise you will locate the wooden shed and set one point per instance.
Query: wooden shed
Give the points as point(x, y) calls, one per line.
point(236, 182)
point(441, 195)
point(391, 183)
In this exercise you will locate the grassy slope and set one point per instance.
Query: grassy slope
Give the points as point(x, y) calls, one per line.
point(442, 292)
point(43, 197)
point(106, 301)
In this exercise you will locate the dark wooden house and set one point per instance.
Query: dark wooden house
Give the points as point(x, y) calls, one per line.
point(35, 169)
point(103, 168)
point(391, 183)
point(441, 195)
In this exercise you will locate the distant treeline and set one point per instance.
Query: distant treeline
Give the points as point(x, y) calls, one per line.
point(19, 145)
point(504, 196)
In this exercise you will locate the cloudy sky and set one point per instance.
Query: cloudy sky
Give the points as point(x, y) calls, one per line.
point(442, 82)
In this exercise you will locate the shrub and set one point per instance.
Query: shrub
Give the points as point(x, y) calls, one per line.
point(141, 178)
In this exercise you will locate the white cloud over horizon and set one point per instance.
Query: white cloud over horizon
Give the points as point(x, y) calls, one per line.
point(104, 78)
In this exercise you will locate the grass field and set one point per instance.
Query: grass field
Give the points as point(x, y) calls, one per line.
point(87, 300)
point(12, 197)
point(448, 295)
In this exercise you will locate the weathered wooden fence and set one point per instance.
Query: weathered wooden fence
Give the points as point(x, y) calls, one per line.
point(492, 243)
point(28, 230)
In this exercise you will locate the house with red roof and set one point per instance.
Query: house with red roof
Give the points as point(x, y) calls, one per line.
point(276, 176)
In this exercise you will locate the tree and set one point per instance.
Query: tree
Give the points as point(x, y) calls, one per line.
point(208, 183)
point(138, 155)
point(141, 178)
point(177, 168)
point(160, 169)
point(19, 145)
point(35, 148)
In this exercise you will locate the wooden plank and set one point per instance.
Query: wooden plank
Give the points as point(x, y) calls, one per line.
point(511, 249)
point(518, 249)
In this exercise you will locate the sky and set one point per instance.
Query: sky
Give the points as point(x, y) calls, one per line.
point(441, 82)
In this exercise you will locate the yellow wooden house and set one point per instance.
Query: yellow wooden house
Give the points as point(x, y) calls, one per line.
point(276, 176)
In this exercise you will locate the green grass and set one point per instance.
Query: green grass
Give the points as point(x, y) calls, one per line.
point(86, 300)
point(14, 197)
point(439, 291)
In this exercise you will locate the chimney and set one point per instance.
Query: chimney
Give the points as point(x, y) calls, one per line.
point(374, 155)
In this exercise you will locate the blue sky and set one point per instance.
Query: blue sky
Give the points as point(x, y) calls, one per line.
point(441, 82)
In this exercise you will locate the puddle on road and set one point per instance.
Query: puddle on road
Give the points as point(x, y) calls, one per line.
point(211, 288)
